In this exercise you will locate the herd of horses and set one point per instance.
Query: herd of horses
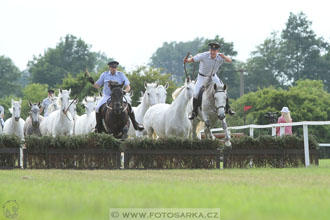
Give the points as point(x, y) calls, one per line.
point(159, 118)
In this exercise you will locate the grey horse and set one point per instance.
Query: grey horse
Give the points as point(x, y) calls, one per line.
point(32, 123)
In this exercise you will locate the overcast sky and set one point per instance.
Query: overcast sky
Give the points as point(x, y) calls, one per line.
point(131, 30)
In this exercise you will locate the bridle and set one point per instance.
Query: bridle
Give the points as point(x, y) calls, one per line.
point(123, 96)
point(221, 106)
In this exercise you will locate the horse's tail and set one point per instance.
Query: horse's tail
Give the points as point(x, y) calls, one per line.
point(199, 127)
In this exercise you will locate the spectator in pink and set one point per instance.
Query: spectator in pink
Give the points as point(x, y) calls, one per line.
point(285, 118)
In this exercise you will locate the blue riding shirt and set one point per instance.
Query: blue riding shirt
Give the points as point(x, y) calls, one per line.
point(106, 77)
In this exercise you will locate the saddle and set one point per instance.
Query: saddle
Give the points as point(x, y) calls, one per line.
point(200, 97)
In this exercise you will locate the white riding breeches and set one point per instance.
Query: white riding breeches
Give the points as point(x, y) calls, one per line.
point(201, 81)
point(101, 102)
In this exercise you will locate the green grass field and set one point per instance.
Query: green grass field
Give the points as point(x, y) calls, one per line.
point(293, 193)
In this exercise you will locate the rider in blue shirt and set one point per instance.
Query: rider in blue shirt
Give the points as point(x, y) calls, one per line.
point(111, 75)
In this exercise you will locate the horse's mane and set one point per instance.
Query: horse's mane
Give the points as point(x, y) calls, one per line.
point(177, 92)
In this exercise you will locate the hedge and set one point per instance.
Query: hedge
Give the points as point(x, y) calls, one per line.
point(286, 151)
point(102, 151)
point(94, 151)
point(9, 160)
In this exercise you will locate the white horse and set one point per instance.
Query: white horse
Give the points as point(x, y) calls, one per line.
point(149, 98)
point(212, 109)
point(86, 122)
point(59, 121)
point(73, 111)
point(161, 93)
point(15, 124)
point(170, 120)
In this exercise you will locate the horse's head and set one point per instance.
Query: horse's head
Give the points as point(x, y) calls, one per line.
point(16, 109)
point(150, 97)
point(189, 89)
point(64, 99)
point(34, 113)
point(117, 94)
point(220, 97)
point(89, 104)
point(161, 93)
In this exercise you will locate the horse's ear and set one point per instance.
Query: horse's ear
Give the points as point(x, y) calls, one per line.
point(60, 90)
point(85, 100)
point(39, 105)
point(76, 101)
point(122, 85)
point(69, 91)
point(12, 101)
point(145, 85)
point(167, 85)
point(101, 94)
point(94, 98)
point(131, 93)
point(215, 86)
point(157, 84)
point(30, 104)
point(20, 101)
point(225, 87)
point(188, 79)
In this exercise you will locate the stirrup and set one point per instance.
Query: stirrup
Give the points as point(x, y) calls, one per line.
point(140, 127)
point(192, 115)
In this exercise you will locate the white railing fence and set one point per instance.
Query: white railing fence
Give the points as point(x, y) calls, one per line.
point(305, 125)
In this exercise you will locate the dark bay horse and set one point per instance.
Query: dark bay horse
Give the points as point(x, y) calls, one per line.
point(115, 112)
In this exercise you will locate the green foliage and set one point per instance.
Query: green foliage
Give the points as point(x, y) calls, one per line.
point(71, 55)
point(297, 53)
point(170, 57)
point(171, 144)
point(307, 101)
point(10, 141)
point(280, 146)
point(90, 141)
point(148, 74)
point(8, 75)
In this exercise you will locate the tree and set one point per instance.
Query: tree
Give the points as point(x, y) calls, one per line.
point(170, 57)
point(8, 75)
point(297, 53)
point(71, 55)
point(307, 101)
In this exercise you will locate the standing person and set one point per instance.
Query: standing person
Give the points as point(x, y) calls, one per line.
point(210, 62)
point(285, 118)
point(47, 102)
point(105, 78)
point(2, 115)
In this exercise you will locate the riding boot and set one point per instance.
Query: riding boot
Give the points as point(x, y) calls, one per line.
point(99, 126)
point(194, 112)
point(228, 108)
point(131, 114)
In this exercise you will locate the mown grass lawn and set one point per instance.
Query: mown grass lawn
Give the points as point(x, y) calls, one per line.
point(293, 193)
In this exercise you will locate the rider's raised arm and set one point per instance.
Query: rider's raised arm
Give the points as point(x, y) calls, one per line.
point(227, 59)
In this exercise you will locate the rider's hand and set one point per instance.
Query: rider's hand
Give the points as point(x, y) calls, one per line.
point(87, 73)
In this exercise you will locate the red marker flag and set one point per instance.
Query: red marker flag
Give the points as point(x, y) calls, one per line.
point(247, 107)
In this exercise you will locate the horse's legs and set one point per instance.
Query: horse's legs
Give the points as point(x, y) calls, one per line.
point(208, 133)
point(125, 131)
point(227, 133)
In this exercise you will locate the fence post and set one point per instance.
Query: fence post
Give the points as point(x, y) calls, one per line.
point(306, 147)
point(273, 131)
point(282, 130)
point(251, 132)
